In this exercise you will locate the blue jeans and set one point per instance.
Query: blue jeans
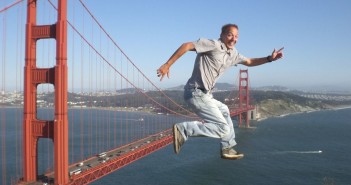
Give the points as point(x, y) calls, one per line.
point(216, 117)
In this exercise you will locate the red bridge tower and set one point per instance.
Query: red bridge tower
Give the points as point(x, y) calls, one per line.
point(244, 103)
point(33, 128)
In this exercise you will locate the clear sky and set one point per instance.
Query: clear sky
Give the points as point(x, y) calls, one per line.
point(316, 35)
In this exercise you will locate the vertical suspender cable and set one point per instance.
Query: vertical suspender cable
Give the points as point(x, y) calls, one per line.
point(115, 100)
point(90, 117)
point(18, 68)
point(121, 104)
point(82, 91)
point(72, 121)
point(3, 118)
point(107, 101)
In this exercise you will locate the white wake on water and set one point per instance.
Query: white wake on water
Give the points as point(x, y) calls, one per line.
point(299, 152)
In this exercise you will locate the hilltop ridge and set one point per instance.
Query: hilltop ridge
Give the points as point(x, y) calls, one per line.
point(268, 103)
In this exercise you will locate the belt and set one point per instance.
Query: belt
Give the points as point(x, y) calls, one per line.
point(203, 90)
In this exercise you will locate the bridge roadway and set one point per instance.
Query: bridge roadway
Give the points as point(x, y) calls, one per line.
point(100, 165)
point(234, 111)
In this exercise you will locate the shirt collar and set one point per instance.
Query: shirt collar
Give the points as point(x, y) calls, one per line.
point(223, 47)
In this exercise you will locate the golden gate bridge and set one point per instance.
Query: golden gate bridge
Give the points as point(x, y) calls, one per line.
point(90, 125)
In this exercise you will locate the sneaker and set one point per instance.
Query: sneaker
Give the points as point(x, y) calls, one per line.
point(230, 153)
point(178, 139)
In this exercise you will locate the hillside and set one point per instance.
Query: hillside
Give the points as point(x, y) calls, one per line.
point(276, 103)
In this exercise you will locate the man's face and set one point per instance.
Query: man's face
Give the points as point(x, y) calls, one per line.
point(230, 37)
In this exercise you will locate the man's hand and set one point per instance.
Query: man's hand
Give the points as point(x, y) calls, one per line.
point(162, 71)
point(277, 54)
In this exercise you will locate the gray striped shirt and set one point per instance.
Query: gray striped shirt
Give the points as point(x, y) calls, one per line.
point(212, 60)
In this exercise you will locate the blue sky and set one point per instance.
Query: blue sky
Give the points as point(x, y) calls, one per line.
point(315, 34)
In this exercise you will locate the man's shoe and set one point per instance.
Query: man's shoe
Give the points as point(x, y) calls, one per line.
point(230, 153)
point(178, 139)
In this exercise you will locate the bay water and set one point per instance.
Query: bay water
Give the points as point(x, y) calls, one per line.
point(300, 149)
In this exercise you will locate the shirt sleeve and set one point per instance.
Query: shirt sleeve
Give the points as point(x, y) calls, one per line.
point(238, 58)
point(203, 45)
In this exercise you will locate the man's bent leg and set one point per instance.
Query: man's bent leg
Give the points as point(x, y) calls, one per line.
point(205, 107)
point(228, 141)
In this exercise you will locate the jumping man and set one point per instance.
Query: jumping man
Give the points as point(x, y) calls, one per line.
point(213, 58)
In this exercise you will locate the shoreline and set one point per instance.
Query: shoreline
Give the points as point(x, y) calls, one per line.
point(303, 112)
point(131, 109)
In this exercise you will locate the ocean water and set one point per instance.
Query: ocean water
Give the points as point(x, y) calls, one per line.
point(301, 149)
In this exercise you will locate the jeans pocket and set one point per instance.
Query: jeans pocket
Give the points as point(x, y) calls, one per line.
point(197, 93)
point(192, 93)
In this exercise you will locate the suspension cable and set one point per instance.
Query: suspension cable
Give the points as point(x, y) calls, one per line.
point(9, 6)
point(125, 78)
point(108, 35)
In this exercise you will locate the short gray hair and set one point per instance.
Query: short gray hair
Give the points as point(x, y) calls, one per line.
point(227, 26)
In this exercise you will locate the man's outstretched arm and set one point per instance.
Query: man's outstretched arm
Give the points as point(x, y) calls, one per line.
point(164, 69)
point(258, 61)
